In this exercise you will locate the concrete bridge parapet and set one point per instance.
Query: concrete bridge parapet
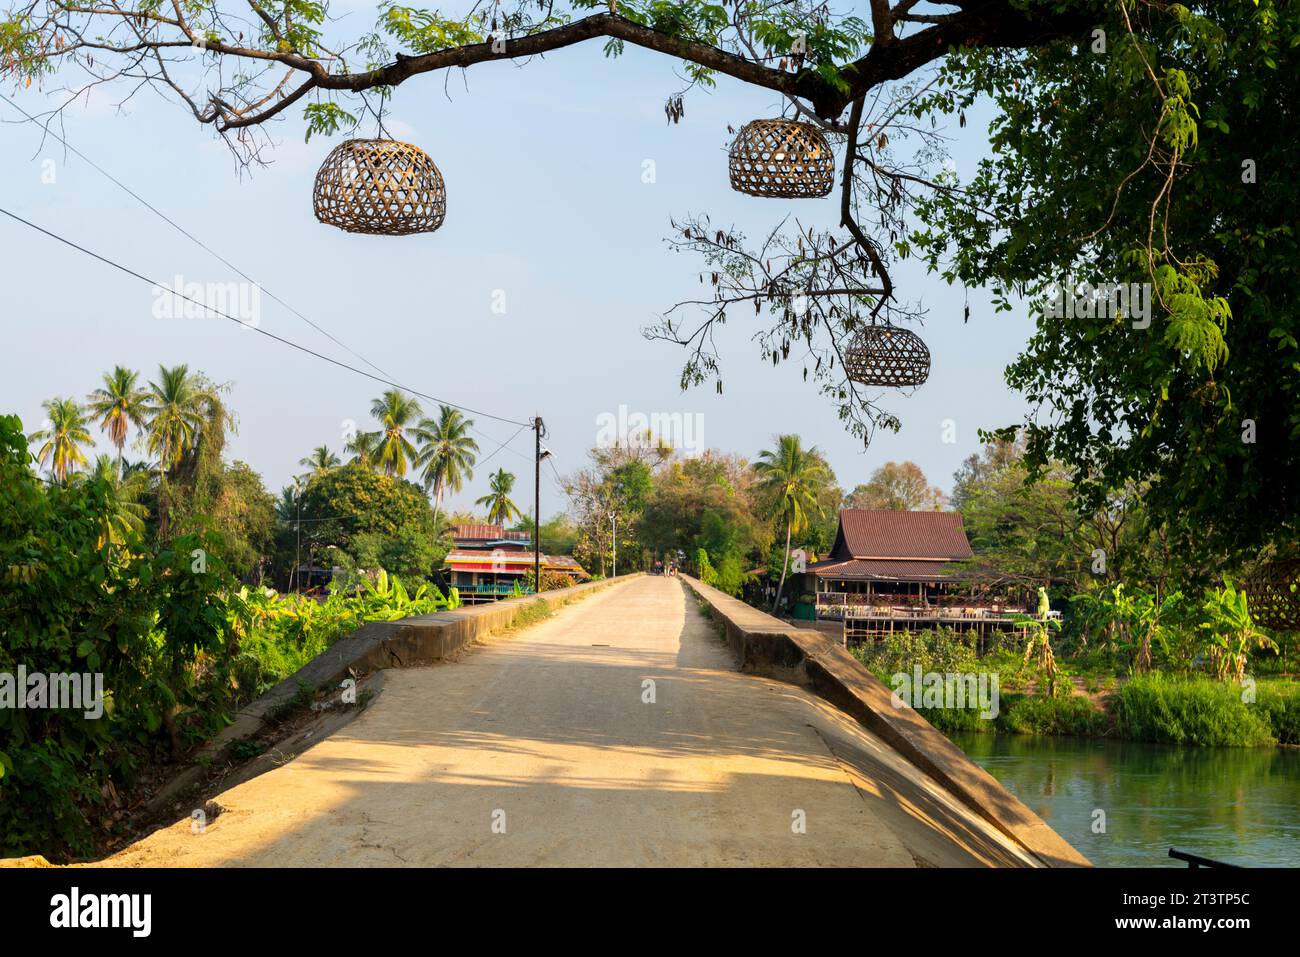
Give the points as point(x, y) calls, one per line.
point(768, 646)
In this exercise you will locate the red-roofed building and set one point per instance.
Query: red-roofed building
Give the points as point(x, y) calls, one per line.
point(914, 570)
point(487, 563)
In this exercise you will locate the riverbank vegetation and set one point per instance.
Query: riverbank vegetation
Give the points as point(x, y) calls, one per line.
point(1097, 696)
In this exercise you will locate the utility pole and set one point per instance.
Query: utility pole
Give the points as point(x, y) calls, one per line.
point(613, 521)
point(537, 507)
point(297, 559)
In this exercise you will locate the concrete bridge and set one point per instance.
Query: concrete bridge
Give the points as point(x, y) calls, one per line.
point(628, 729)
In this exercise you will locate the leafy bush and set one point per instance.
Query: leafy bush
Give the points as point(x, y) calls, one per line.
point(278, 634)
point(554, 580)
point(176, 645)
point(939, 649)
point(72, 602)
point(410, 553)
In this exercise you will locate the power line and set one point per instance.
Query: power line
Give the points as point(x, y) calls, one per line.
point(188, 235)
point(503, 445)
point(559, 482)
point(288, 342)
point(388, 378)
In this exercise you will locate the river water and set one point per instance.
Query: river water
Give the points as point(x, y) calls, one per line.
point(1237, 805)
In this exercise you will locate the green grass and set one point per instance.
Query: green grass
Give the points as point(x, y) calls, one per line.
point(1025, 714)
point(1190, 712)
point(1195, 712)
point(535, 611)
point(1280, 702)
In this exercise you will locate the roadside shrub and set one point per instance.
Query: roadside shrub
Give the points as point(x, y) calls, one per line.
point(166, 630)
point(278, 634)
point(151, 623)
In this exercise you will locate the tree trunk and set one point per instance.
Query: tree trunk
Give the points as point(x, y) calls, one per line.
point(785, 564)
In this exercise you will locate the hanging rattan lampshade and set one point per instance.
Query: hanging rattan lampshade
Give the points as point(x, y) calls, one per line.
point(887, 355)
point(781, 158)
point(381, 187)
point(1273, 595)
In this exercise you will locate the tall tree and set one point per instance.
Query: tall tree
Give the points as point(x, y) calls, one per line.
point(124, 519)
point(180, 404)
point(350, 500)
point(176, 405)
point(120, 404)
point(320, 461)
point(395, 412)
point(790, 477)
point(898, 487)
point(447, 452)
point(497, 502)
point(363, 447)
point(60, 444)
point(1159, 263)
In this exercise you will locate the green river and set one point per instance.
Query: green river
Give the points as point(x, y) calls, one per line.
point(1236, 805)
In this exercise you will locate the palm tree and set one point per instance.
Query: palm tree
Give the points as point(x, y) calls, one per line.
point(320, 461)
point(119, 405)
point(176, 405)
point(395, 413)
point(497, 502)
point(790, 476)
point(125, 521)
point(447, 452)
point(286, 506)
point(362, 447)
point(61, 442)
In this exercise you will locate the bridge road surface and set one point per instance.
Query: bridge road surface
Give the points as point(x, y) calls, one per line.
point(537, 749)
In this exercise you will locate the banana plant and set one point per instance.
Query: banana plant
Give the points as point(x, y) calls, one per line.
point(1038, 644)
point(1228, 632)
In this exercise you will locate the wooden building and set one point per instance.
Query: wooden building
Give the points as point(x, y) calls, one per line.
point(909, 570)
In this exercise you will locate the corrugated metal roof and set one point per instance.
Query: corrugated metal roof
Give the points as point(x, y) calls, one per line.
point(486, 533)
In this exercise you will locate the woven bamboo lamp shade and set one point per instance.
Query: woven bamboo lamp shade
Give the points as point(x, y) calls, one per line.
point(380, 187)
point(1273, 595)
point(781, 158)
point(887, 355)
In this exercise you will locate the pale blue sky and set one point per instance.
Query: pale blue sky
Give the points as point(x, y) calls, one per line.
point(543, 167)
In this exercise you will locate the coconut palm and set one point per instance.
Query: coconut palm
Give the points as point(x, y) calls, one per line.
point(61, 442)
point(447, 452)
point(125, 520)
point(396, 414)
point(790, 476)
point(119, 405)
point(362, 447)
point(320, 461)
point(177, 405)
point(497, 502)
